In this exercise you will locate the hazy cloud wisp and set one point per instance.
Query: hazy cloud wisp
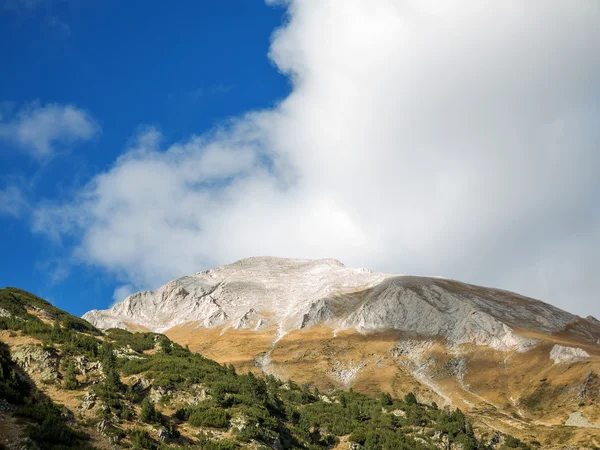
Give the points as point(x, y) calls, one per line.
point(40, 130)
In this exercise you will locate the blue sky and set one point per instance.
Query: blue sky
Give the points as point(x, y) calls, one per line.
point(180, 69)
point(140, 142)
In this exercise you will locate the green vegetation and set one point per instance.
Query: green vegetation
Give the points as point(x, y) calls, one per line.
point(16, 302)
point(74, 334)
point(138, 342)
point(47, 425)
point(259, 410)
point(12, 386)
point(141, 440)
point(294, 415)
point(70, 375)
point(513, 442)
point(536, 398)
point(148, 413)
point(48, 428)
point(209, 417)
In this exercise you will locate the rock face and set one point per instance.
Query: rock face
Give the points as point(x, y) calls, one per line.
point(563, 355)
point(36, 360)
point(290, 294)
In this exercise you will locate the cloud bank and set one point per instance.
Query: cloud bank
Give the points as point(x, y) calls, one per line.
point(454, 138)
point(42, 130)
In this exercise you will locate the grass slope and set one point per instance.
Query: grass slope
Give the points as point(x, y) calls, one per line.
point(152, 393)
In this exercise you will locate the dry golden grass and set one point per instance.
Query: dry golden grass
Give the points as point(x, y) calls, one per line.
point(492, 390)
point(135, 328)
point(12, 338)
point(230, 346)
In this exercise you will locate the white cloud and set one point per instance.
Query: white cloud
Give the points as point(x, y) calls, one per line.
point(122, 292)
point(13, 202)
point(456, 139)
point(41, 130)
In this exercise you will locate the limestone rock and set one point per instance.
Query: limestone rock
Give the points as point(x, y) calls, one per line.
point(88, 401)
point(290, 294)
point(562, 355)
point(36, 360)
point(140, 384)
point(239, 422)
point(104, 426)
point(159, 393)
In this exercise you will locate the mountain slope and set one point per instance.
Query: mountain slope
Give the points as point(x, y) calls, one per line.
point(64, 384)
point(482, 349)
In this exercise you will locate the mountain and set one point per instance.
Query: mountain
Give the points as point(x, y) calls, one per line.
point(66, 385)
point(517, 364)
point(291, 294)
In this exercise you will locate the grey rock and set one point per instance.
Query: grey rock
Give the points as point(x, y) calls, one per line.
point(291, 294)
point(103, 426)
point(565, 355)
point(141, 384)
point(576, 419)
point(34, 359)
point(164, 435)
point(239, 422)
point(159, 393)
point(88, 401)
point(86, 366)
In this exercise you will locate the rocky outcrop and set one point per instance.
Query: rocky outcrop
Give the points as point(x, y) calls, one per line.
point(562, 355)
point(291, 294)
point(38, 361)
point(88, 401)
point(576, 419)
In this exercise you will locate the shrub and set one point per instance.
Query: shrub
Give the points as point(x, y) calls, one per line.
point(141, 440)
point(207, 443)
point(148, 413)
point(410, 398)
point(213, 418)
point(48, 428)
point(70, 377)
point(12, 387)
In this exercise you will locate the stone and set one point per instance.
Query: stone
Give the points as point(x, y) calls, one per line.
point(292, 294)
point(564, 355)
point(141, 384)
point(158, 393)
point(37, 360)
point(88, 401)
point(103, 426)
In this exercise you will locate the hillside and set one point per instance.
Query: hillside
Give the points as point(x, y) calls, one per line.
point(514, 363)
point(65, 384)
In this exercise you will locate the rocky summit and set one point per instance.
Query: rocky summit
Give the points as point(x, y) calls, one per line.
point(292, 294)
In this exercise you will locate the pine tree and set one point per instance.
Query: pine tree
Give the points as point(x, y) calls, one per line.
point(386, 399)
point(70, 378)
point(112, 380)
point(148, 413)
point(411, 399)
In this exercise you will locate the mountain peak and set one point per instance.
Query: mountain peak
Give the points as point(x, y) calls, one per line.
point(282, 294)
